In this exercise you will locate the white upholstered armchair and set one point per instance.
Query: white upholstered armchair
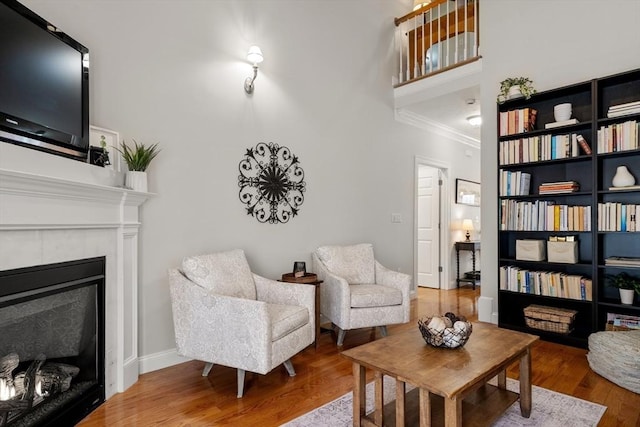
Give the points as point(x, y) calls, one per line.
point(358, 292)
point(224, 314)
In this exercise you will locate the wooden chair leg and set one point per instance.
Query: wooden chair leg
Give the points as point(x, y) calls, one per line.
point(341, 334)
point(207, 369)
point(240, 382)
point(289, 367)
point(383, 331)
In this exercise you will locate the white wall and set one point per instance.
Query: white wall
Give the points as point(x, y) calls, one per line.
point(172, 72)
point(555, 43)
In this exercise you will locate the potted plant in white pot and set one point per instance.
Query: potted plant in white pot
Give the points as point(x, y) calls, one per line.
point(515, 87)
point(137, 159)
point(627, 284)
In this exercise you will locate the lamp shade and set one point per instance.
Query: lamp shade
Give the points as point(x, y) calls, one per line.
point(255, 55)
point(467, 225)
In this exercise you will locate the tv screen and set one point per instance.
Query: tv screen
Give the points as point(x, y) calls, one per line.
point(44, 84)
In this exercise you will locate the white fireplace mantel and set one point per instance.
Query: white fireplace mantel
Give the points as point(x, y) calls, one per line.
point(47, 219)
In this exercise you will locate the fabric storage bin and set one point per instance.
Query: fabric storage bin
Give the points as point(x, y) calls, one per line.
point(530, 250)
point(551, 319)
point(562, 252)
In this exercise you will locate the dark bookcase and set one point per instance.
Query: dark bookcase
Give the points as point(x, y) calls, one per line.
point(591, 102)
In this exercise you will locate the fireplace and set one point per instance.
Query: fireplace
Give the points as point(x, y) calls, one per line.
point(52, 343)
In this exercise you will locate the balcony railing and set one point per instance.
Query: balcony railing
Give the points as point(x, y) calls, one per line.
point(439, 36)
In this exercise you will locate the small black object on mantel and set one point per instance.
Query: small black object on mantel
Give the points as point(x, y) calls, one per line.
point(98, 156)
point(299, 269)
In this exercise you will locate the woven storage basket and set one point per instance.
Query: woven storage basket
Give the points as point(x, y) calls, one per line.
point(551, 319)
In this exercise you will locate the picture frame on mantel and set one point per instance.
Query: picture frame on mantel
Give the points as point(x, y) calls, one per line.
point(111, 138)
point(467, 192)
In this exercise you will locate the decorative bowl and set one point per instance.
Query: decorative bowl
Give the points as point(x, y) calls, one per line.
point(562, 112)
point(447, 331)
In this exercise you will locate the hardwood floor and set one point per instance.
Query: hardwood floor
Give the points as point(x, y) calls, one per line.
point(180, 396)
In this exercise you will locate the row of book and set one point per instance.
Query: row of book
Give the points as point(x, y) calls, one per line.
point(542, 147)
point(514, 183)
point(543, 215)
point(547, 283)
point(624, 109)
point(517, 121)
point(558, 187)
point(615, 216)
point(619, 137)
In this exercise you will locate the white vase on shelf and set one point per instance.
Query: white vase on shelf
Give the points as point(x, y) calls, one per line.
point(514, 92)
point(136, 180)
point(626, 296)
point(623, 177)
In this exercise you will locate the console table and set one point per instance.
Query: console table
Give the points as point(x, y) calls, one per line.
point(467, 246)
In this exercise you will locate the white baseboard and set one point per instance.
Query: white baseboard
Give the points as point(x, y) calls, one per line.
point(485, 310)
point(160, 360)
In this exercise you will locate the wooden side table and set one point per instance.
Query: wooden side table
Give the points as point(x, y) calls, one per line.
point(308, 279)
point(466, 246)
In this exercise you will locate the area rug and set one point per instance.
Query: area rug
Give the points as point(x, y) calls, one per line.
point(550, 409)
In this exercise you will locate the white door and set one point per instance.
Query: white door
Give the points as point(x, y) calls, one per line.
point(428, 233)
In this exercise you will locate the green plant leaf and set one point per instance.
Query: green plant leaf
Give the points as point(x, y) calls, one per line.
point(138, 157)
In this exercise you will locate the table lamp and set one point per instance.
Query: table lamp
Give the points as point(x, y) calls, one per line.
point(467, 225)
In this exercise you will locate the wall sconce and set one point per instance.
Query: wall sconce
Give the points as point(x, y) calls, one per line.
point(254, 56)
point(475, 120)
point(467, 225)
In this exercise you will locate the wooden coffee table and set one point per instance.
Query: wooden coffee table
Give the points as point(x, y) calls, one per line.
point(451, 385)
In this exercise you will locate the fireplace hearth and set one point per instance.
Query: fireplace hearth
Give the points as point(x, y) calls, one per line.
point(52, 357)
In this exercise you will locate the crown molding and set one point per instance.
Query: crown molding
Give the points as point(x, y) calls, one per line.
point(413, 119)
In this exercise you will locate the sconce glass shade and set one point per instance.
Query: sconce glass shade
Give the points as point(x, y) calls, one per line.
point(255, 55)
point(475, 120)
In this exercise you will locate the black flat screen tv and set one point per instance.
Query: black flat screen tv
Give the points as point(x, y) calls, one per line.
point(44, 84)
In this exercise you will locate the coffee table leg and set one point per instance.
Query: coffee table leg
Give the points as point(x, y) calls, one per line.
point(359, 391)
point(525, 383)
point(452, 412)
point(379, 393)
point(502, 379)
point(425, 408)
point(400, 391)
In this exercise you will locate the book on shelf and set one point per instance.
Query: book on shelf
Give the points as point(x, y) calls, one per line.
point(546, 283)
point(622, 322)
point(514, 183)
point(517, 121)
point(622, 113)
point(628, 187)
point(543, 215)
point(618, 137)
point(583, 144)
point(561, 123)
point(559, 187)
point(622, 261)
point(617, 216)
point(623, 109)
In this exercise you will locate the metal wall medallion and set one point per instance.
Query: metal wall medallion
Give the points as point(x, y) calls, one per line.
point(271, 183)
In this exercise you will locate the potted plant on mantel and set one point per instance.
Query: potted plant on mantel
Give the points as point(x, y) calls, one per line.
point(515, 87)
point(627, 284)
point(137, 159)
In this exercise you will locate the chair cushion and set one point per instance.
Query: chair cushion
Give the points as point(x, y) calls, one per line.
point(286, 319)
point(365, 295)
point(354, 263)
point(223, 273)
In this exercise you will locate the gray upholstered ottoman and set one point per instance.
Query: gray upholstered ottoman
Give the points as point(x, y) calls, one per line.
point(616, 356)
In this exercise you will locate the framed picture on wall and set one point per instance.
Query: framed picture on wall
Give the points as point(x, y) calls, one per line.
point(99, 137)
point(467, 192)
